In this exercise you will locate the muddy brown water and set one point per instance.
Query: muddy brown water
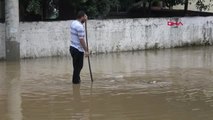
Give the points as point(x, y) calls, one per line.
point(172, 84)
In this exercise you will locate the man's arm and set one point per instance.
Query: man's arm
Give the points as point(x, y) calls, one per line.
point(81, 35)
point(84, 45)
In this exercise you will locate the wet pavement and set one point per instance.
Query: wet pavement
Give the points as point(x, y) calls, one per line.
point(171, 84)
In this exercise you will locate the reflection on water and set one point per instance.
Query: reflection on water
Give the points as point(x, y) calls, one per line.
point(14, 91)
point(10, 92)
point(174, 84)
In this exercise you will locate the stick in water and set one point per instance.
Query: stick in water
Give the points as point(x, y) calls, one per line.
point(90, 70)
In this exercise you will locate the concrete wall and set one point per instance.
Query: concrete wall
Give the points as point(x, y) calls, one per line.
point(39, 39)
point(2, 41)
point(137, 34)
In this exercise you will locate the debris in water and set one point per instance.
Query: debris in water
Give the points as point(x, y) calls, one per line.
point(112, 80)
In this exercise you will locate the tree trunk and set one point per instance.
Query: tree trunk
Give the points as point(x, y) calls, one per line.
point(186, 7)
point(149, 9)
point(12, 30)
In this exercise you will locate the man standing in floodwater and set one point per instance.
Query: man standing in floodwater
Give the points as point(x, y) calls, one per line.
point(78, 47)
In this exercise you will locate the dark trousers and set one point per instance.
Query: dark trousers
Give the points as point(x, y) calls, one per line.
point(78, 60)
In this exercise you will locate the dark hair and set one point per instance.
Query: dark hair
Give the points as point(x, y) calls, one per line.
point(80, 14)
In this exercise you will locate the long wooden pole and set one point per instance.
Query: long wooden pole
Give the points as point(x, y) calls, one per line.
point(90, 70)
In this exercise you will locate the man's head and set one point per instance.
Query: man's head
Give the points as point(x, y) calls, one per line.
point(81, 16)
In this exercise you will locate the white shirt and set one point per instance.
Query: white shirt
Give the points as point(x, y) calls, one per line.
point(77, 33)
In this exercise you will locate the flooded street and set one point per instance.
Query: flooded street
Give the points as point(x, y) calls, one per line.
point(171, 84)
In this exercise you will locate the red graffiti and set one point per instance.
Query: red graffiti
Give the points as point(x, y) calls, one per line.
point(170, 23)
